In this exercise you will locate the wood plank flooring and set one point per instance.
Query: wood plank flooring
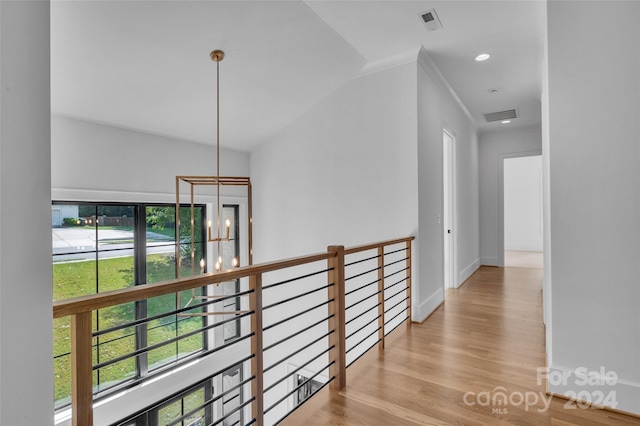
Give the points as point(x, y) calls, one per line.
point(487, 338)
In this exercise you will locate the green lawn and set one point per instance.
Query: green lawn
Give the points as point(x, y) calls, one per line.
point(73, 279)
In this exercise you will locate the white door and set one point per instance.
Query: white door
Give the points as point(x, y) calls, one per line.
point(448, 178)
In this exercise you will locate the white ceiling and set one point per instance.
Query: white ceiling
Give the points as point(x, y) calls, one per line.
point(145, 65)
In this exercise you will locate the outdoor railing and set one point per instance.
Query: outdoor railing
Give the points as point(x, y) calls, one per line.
point(302, 323)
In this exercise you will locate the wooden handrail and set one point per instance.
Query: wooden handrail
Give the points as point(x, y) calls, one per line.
point(80, 309)
point(63, 308)
point(365, 247)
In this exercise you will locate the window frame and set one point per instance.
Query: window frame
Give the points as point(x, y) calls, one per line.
point(139, 255)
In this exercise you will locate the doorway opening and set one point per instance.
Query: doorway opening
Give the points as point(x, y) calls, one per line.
point(522, 212)
point(449, 209)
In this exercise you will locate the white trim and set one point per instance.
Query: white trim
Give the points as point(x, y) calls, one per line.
point(427, 307)
point(388, 62)
point(489, 261)
point(430, 68)
point(98, 196)
point(468, 271)
point(626, 392)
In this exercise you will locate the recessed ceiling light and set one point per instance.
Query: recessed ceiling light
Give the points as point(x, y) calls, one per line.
point(506, 121)
point(482, 57)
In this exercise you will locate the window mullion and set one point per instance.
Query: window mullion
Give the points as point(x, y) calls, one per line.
point(140, 277)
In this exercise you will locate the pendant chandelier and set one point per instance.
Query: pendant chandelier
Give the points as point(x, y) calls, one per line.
point(216, 237)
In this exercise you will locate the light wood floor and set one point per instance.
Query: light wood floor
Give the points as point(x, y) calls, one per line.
point(489, 333)
point(523, 259)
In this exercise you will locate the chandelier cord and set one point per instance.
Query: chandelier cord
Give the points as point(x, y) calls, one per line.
point(218, 150)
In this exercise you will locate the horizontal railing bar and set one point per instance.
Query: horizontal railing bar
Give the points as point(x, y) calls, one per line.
point(297, 333)
point(95, 345)
point(265, 287)
point(361, 260)
point(166, 314)
point(372, 246)
point(399, 324)
point(365, 352)
point(177, 321)
point(210, 401)
point(230, 399)
point(298, 387)
point(298, 351)
point(227, 344)
point(296, 297)
point(396, 251)
point(275, 324)
point(282, 379)
point(362, 273)
point(300, 405)
point(392, 296)
point(364, 286)
point(138, 322)
point(166, 342)
point(395, 306)
point(362, 314)
point(228, 391)
point(63, 308)
point(395, 284)
point(396, 273)
point(145, 349)
point(362, 328)
point(394, 262)
point(362, 300)
point(232, 412)
point(363, 340)
point(182, 391)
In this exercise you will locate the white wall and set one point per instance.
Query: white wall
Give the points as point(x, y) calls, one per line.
point(125, 165)
point(343, 173)
point(594, 129)
point(523, 203)
point(494, 147)
point(438, 109)
point(26, 346)
point(129, 166)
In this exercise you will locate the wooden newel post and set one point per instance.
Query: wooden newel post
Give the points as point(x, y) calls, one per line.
point(337, 339)
point(381, 298)
point(257, 367)
point(81, 370)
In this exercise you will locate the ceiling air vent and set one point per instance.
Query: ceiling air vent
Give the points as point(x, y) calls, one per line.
point(501, 115)
point(430, 19)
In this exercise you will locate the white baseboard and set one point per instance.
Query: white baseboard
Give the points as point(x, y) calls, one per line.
point(524, 247)
point(427, 307)
point(596, 388)
point(468, 271)
point(489, 261)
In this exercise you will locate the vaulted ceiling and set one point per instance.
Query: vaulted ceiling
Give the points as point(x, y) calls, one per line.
point(144, 65)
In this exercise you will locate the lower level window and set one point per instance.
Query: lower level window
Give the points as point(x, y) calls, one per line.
point(103, 247)
point(215, 400)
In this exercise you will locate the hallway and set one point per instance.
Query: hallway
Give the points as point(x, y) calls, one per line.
point(487, 340)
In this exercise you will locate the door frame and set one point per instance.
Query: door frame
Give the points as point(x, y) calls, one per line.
point(453, 190)
point(501, 159)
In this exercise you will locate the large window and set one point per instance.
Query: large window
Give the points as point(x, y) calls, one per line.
point(216, 398)
point(103, 247)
